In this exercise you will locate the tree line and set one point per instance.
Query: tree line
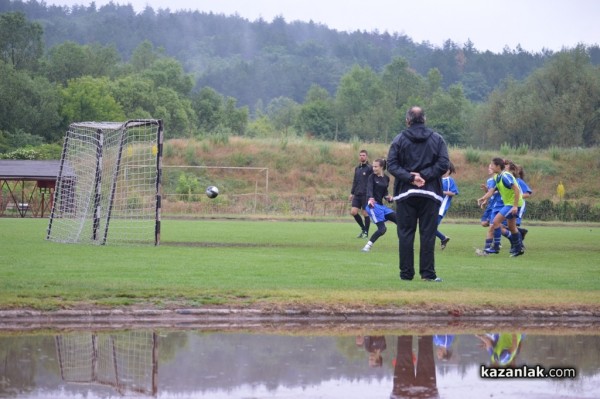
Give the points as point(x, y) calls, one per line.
point(211, 74)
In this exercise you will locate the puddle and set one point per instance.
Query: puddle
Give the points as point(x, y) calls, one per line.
point(197, 363)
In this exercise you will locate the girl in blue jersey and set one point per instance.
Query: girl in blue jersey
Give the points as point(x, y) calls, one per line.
point(450, 190)
point(526, 192)
point(494, 204)
point(507, 186)
point(377, 191)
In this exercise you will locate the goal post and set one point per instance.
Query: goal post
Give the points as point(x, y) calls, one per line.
point(95, 201)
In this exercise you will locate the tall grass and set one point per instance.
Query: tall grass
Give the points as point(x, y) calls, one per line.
point(472, 155)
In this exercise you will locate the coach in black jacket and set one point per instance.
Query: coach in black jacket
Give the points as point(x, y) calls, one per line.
point(418, 158)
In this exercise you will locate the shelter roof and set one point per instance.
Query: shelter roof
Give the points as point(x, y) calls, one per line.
point(28, 170)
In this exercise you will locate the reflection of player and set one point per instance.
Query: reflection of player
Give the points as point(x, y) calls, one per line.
point(374, 344)
point(443, 346)
point(409, 383)
point(503, 348)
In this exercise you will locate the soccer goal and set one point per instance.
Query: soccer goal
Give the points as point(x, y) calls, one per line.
point(127, 361)
point(108, 189)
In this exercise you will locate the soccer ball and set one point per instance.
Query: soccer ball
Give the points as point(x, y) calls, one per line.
point(212, 192)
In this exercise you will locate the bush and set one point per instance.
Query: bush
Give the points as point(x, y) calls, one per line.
point(564, 211)
point(21, 153)
point(554, 152)
point(49, 151)
point(505, 149)
point(522, 149)
point(472, 155)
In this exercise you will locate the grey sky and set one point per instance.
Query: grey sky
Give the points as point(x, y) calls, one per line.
point(489, 24)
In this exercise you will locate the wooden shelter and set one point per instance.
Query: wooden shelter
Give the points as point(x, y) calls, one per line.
point(27, 187)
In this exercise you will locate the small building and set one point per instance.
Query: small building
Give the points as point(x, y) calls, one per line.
point(27, 187)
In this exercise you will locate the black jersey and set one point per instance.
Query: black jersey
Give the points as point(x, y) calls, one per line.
point(377, 187)
point(361, 175)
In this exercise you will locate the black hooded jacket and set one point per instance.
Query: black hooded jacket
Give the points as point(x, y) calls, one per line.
point(418, 149)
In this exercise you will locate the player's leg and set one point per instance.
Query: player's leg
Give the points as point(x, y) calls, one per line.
point(381, 230)
point(391, 216)
point(522, 231)
point(515, 238)
point(443, 238)
point(496, 225)
point(377, 214)
point(367, 218)
point(355, 211)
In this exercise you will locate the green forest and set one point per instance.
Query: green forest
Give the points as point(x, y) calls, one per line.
point(207, 74)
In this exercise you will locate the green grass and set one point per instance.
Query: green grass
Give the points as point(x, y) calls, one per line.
point(278, 264)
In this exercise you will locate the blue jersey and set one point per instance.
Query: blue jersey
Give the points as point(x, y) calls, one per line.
point(443, 341)
point(494, 202)
point(523, 186)
point(448, 184)
point(524, 190)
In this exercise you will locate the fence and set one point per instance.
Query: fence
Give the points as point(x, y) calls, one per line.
point(291, 205)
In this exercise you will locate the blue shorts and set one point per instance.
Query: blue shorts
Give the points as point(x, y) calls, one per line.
point(487, 215)
point(506, 212)
point(378, 212)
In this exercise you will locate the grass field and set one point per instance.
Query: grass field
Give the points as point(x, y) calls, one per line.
point(294, 264)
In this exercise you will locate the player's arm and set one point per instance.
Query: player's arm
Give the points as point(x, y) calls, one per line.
point(353, 186)
point(515, 208)
point(486, 196)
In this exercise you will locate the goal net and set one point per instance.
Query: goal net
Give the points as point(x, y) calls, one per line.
point(109, 183)
point(127, 361)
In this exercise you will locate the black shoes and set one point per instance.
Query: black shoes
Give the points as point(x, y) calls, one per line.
point(445, 242)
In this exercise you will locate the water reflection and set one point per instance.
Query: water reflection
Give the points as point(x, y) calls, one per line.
point(206, 364)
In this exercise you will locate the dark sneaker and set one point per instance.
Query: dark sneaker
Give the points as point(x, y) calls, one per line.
point(433, 280)
point(365, 234)
point(518, 251)
point(445, 242)
point(491, 250)
point(523, 233)
point(361, 234)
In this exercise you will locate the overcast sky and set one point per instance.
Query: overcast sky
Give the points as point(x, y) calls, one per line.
point(489, 24)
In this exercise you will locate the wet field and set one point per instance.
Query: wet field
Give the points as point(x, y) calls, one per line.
point(304, 360)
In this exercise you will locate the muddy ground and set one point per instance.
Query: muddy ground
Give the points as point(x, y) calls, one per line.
point(305, 320)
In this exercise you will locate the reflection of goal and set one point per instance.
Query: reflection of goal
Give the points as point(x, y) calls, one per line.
point(109, 176)
point(127, 361)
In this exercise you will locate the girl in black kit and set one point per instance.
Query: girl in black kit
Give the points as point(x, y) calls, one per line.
point(377, 191)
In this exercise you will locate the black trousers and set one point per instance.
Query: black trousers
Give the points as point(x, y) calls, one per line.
point(415, 381)
point(411, 212)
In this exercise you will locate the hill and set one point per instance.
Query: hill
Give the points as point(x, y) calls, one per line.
point(298, 171)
